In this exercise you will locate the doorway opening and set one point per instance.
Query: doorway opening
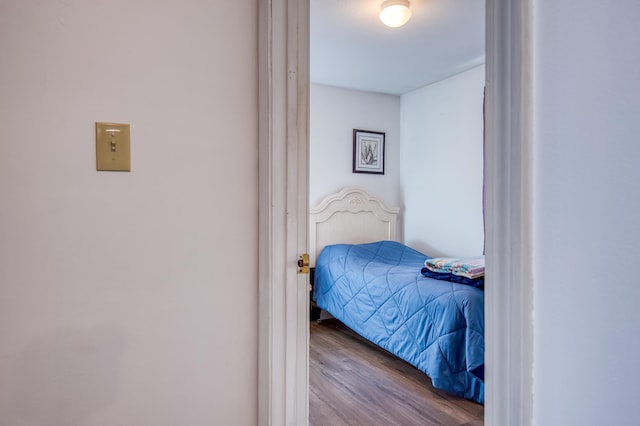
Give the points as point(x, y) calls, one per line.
point(283, 115)
point(338, 104)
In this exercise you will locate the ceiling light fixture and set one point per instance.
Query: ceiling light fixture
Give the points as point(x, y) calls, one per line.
point(395, 13)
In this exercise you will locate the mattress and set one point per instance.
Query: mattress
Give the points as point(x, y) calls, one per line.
point(377, 290)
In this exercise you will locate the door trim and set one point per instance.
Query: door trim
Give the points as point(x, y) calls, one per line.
point(508, 213)
point(283, 295)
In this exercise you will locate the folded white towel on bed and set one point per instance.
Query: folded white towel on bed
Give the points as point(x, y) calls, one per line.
point(469, 267)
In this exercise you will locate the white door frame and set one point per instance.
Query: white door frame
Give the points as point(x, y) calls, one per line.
point(283, 294)
point(283, 139)
point(508, 210)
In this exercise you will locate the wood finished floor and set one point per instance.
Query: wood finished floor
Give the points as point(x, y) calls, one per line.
point(353, 382)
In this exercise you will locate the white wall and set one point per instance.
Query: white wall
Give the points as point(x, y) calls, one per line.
point(586, 210)
point(124, 297)
point(334, 113)
point(441, 173)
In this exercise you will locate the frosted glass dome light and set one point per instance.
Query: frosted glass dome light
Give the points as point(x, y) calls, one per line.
point(395, 13)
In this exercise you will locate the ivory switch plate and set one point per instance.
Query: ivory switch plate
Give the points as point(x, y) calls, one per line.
point(113, 147)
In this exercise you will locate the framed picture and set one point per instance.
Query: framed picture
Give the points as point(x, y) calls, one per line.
point(368, 152)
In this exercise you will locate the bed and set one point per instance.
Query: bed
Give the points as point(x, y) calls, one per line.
point(373, 283)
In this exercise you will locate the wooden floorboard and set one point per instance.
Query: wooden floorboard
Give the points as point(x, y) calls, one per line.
point(354, 382)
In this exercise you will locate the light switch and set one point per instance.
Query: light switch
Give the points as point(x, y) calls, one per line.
point(113, 147)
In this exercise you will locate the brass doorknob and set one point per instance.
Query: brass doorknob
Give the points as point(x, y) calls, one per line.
point(303, 264)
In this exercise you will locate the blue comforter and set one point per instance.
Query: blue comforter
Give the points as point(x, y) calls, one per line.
point(377, 290)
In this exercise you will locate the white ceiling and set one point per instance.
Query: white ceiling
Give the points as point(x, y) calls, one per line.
point(351, 48)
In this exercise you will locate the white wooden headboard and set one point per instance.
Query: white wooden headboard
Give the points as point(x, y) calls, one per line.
point(351, 216)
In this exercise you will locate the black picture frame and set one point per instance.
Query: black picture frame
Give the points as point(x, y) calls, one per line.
point(368, 151)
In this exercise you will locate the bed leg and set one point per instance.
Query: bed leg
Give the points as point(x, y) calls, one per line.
point(322, 315)
point(316, 313)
